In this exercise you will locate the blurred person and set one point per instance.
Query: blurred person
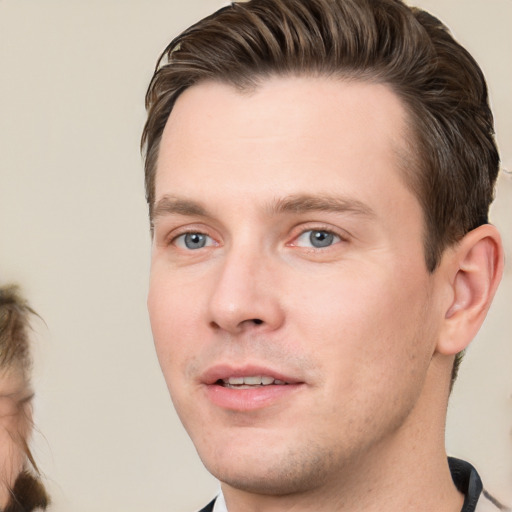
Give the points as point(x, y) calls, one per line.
point(319, 175)
point(20, 486)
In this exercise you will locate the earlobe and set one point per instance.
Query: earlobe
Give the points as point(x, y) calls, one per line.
point(476, 267)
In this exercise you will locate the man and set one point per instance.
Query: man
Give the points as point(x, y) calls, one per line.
point(319, 174)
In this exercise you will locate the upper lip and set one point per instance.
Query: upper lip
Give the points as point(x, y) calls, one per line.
point(224, 371)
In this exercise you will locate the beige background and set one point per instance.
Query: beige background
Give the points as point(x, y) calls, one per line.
point(73, 232)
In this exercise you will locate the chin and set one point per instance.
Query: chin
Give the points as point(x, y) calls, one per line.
point(273, 473)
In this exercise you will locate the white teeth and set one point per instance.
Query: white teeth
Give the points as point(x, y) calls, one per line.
point(252, 380)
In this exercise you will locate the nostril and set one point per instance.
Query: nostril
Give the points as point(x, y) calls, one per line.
point(257, 321)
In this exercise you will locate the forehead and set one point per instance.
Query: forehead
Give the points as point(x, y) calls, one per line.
point(299, 133)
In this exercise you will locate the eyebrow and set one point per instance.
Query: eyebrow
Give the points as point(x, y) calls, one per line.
point(304, 203)
point(301, 203)
point(170, 205)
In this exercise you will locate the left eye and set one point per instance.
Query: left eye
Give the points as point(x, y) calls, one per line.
point(317, 238)
point(192, 241)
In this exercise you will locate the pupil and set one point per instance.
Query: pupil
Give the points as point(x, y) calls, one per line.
point(321, 238)
point(195, 240)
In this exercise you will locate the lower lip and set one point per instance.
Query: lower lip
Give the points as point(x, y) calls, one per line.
point(249, 399)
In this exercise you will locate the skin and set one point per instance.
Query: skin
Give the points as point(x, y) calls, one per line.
point(358, 327)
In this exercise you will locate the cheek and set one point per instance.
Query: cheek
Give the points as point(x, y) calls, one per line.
point(175, 315)
point(165, 309)
point(175, 327)
point(371, 325)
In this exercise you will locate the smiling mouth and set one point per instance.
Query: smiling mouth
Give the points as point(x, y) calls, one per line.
point(250, 382)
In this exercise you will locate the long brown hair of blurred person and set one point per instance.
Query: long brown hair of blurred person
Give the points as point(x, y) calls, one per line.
point(21, 489)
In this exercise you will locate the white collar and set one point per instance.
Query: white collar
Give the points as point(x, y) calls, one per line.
point(220, 504)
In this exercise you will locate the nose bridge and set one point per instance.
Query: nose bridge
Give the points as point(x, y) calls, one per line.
point(244, 293)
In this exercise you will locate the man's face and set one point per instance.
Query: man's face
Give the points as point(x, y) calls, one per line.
point(292, 312)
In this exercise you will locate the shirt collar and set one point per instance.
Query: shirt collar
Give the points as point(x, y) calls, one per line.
point(220, 504)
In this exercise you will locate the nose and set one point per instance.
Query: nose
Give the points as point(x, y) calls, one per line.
point(246, 294)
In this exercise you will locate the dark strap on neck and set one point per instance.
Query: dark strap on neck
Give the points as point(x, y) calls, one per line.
point(467, 481)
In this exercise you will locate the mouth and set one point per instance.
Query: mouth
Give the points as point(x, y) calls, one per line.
point(248, 388)
point(250, 382)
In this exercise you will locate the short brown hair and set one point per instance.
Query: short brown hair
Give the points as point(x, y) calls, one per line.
point(453, 159)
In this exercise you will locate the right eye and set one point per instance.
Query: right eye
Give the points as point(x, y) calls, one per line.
point(193, 241)
point(317, 238)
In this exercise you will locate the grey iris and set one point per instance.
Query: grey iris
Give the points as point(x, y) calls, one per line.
point(321, 238)
point(195, 240)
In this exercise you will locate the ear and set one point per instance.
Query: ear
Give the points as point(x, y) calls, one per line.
point(473, 271)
